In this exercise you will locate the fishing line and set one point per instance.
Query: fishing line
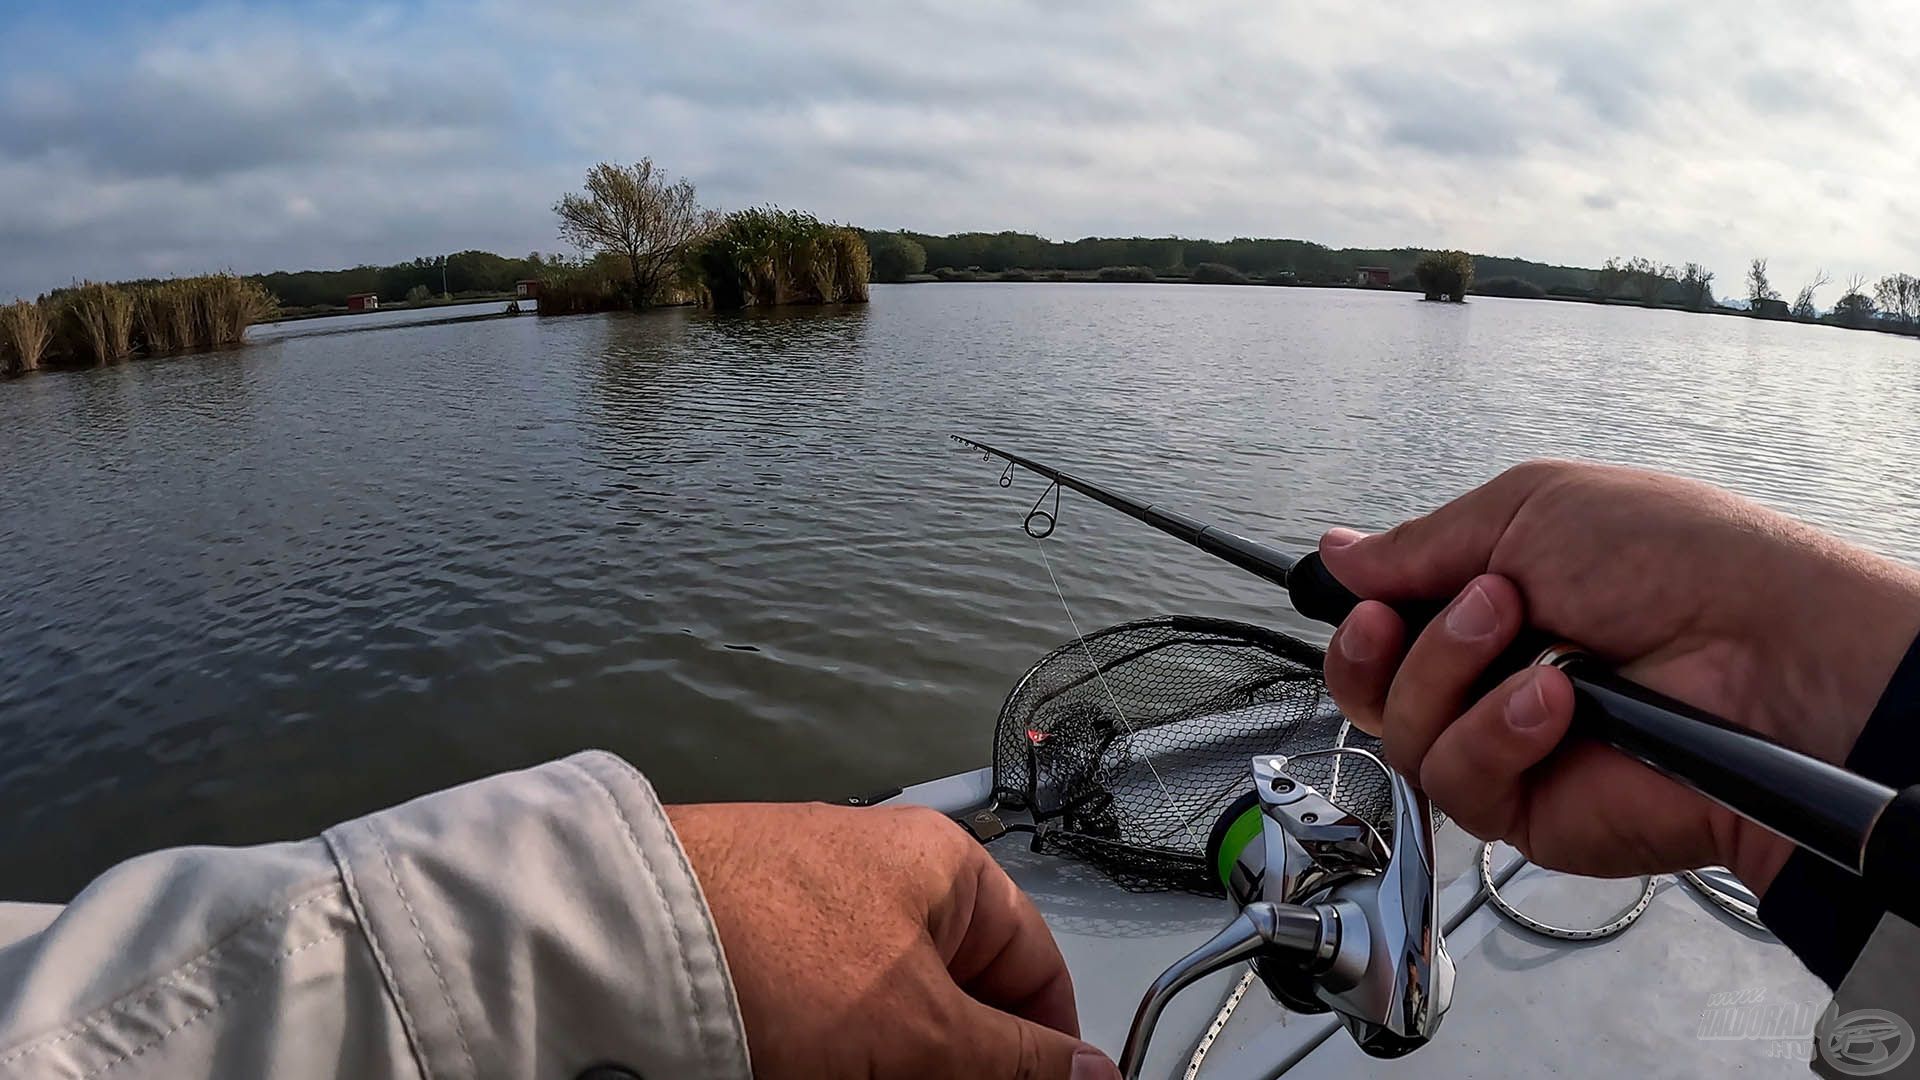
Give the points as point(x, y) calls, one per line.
point(1113, 699)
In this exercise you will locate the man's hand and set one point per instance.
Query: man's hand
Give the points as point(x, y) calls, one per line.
point(880, 943)
point(1689, 590)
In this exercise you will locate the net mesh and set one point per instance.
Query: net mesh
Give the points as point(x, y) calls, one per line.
point(1127, 745)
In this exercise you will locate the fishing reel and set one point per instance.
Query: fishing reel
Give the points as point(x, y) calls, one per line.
point(1332, 915)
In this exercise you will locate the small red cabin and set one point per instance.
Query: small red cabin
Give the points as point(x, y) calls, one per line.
point(527, 289)
point(1375, 276)
point(363, 301)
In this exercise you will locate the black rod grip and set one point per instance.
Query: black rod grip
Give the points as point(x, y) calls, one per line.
point(1818, 806)
point(1320, 596)
point(1893, 856)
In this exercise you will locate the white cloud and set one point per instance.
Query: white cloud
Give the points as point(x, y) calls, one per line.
point(1567, 133)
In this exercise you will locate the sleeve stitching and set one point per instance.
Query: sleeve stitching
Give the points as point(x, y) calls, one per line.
point(387, 977)
point(446, 991)
point(211, 1008)
point(148, 990)
point(660, 893)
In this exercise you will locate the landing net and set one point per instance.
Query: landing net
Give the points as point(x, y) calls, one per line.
point(1128, 744)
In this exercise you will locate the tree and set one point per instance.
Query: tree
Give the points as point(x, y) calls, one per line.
point(896, 256)
point(634, 214)
point(1899, 297)
point(419, 294)
point(1648, 278)
point(1758, 287)
point(1855, 307)
point(1696, 286)
point(1803, 306)
point(1445, 275)
point(1608, 281)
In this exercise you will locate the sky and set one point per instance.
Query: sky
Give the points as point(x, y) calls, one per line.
point(155, 139)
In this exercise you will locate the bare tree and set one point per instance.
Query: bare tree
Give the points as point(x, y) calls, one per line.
point(1803, 307)
point(1758, 287)
point(1696, 286)
point(1648, 279)
point(634, 214)
point(1855, 307)
point(1607, 282)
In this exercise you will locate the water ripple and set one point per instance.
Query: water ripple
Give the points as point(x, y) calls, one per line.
point(243, 596)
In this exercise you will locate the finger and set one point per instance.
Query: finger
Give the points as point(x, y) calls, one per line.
point(1361, 660)
point(993, 1043)
point(1437, 554)
point(1477, 770)
point(1006, 957)
point(1435, 682)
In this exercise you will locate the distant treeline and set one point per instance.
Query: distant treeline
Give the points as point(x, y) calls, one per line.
point(1307, 262)
point(467, 272)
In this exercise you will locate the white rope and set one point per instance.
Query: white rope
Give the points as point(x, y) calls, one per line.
point(1219, 1024)
point(1165, 791)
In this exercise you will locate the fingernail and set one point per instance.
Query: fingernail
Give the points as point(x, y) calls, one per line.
point(1356, 645)
point(1339, 537)
point(1472, 616)
point(1527, 708)
point(1093, 1065)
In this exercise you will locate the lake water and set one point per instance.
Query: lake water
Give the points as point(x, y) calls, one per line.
point(245, 595)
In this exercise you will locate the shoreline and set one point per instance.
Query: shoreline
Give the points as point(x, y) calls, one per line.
point(985, 277)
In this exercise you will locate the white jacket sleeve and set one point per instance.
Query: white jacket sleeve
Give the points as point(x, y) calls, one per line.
point(533, 924)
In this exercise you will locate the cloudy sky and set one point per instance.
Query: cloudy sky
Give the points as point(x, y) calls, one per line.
point(154, 139)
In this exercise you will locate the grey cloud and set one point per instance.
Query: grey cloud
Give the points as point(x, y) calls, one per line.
point(260, 141)
point(199, 121)
point(1429, 110)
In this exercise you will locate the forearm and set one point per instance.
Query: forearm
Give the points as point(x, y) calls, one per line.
point(531, 924)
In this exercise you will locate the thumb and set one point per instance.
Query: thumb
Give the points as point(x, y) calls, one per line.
point(1001, 1044)
point(1433, 556)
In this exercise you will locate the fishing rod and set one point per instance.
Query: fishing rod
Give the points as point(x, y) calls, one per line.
point(1862, 826)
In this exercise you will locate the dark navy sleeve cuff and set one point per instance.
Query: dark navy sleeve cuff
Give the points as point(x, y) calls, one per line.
point(1821, 912)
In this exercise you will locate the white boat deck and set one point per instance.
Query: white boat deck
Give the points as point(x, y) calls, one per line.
point(1524, 1005)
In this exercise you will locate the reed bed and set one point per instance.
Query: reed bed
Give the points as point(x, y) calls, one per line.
point(767, 256)
point(25, 331)
point(582, 288)
point(94, 323)
point(98, 323)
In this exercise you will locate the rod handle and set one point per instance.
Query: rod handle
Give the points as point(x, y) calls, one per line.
point(1893, 856)
point(1320, 596)
point(1817, 805)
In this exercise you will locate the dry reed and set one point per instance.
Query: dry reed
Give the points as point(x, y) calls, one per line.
point(25, 331)
point(100, 319)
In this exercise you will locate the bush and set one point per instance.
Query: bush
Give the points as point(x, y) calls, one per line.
point(895, 256)
point(1445, 275)
point(1219, 274)
point(1056, 275)
point(1015, 274)
point(1518, 288)
point(419, 294)
point(583, 287)
point(1127, 273)
point(948, 273)
point(766, 256)
point(1569, 290)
